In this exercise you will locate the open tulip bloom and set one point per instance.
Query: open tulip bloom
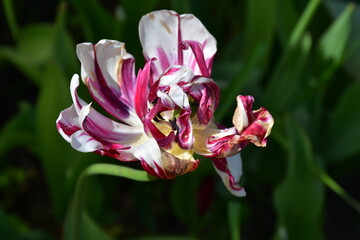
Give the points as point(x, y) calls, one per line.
point(165, 113)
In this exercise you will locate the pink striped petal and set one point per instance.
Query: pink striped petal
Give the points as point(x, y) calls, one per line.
point(260, 129)
point(197, 50)
point(108, 71)
point(142, 91)
point(185, 135)
point(243, 115)
point(149, 154)
point(162, 34)
point(207, 93)
point(89, 131)
point(230, 171)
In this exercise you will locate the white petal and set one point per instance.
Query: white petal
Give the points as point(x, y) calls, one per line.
point(230, 173)
point(158, 33)
point(83, 142)
point(179, 97)
point(150, 153)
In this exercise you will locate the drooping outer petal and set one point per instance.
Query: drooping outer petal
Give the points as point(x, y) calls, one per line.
point(250, 126)
point(254, 126)
point(162, 34)
point(230, 171)
point(89, 131)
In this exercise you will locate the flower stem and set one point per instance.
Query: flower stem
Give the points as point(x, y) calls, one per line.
point(72, 228)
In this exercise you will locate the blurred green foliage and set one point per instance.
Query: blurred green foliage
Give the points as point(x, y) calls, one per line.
point(300, 59)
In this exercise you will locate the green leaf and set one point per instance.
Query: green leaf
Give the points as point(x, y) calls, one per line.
point(19, 130)
point(22, 62)
point(332, 45)
point(91, 230)
point(181, 6)
point(288, 79)
point(234, 214)
point(11, 18)
point(75, 227)
point(56, 154)
point(34, 50)
point(333, 42)
point(343, 133)
point(286, 21)
point(10, 231)
point(243, 76)
point(163, 238)
point(36, 42)
point(299, 200)
point(259, 28)
point(96, 21)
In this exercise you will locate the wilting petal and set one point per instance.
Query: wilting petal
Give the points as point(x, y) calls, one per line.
point(225, 143)
point(254, 126)
point(108, 71)
point(260, 129)
point(243, 112)
point(178, 161)
point(162, 34)
point(230, 171)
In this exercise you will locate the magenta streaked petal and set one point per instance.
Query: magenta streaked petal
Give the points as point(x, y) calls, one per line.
point(192, 29)
point(108, 71)
point(199, 57)
point(142, 91)
point(207, 93)
point(150, 154)
point(127, 79)
point(158, 33)
point(260, 129)
point(179, 75)
point(243, 115)
point(185, 131)
point(226, 143)
point(161, 34)
point(179, 97)
point(83, 142)
point(230, 171)
point(110, 131)
point(68, 123)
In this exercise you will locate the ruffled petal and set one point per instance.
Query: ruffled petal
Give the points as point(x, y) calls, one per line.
point(207, 93)
point(243, 113)
point(260, 129)
point(252, 125)
point(159, 37)
point(230, 171)
point(185, 135)
point(162, 34)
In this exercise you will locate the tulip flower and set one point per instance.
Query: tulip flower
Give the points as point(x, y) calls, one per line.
point(164, 114)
